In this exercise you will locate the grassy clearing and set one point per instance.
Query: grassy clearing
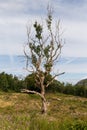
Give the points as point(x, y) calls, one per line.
point(22, 112)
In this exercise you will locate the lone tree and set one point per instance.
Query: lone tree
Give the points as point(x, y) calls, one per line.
point(42, 51)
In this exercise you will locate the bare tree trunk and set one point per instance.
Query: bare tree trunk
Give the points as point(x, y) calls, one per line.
point(44, 105)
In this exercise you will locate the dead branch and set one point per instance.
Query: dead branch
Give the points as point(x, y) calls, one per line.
point(33, 92)
point(54, 78)
point(55, 98)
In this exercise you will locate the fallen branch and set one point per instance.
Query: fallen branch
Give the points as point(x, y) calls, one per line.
point(54, 98)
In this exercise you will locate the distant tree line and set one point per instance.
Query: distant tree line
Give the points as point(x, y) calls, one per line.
point(8, 83)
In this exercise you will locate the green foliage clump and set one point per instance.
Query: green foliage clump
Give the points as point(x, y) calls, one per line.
point(30, 83)
point(38, 29)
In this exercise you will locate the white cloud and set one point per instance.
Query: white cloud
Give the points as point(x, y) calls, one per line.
point(72, 67)
point(76, 30)
point(76, 39)
point(71, 9)
point(12, 26)
point(11, 49)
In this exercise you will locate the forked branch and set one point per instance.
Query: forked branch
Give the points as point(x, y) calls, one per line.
point(54, 78)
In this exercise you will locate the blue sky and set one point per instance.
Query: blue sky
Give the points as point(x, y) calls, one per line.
point(14, 16)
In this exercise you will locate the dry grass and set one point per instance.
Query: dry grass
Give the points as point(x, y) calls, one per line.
point(21, 108)
point(5, 104)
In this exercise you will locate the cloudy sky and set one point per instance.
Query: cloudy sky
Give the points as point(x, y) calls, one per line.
point(14, 15)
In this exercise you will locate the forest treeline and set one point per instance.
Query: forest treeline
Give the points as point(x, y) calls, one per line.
point(10, 83)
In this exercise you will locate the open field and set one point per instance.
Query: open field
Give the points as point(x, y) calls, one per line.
point(20, 111)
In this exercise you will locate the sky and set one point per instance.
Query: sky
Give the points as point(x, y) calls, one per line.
point(14, 15)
